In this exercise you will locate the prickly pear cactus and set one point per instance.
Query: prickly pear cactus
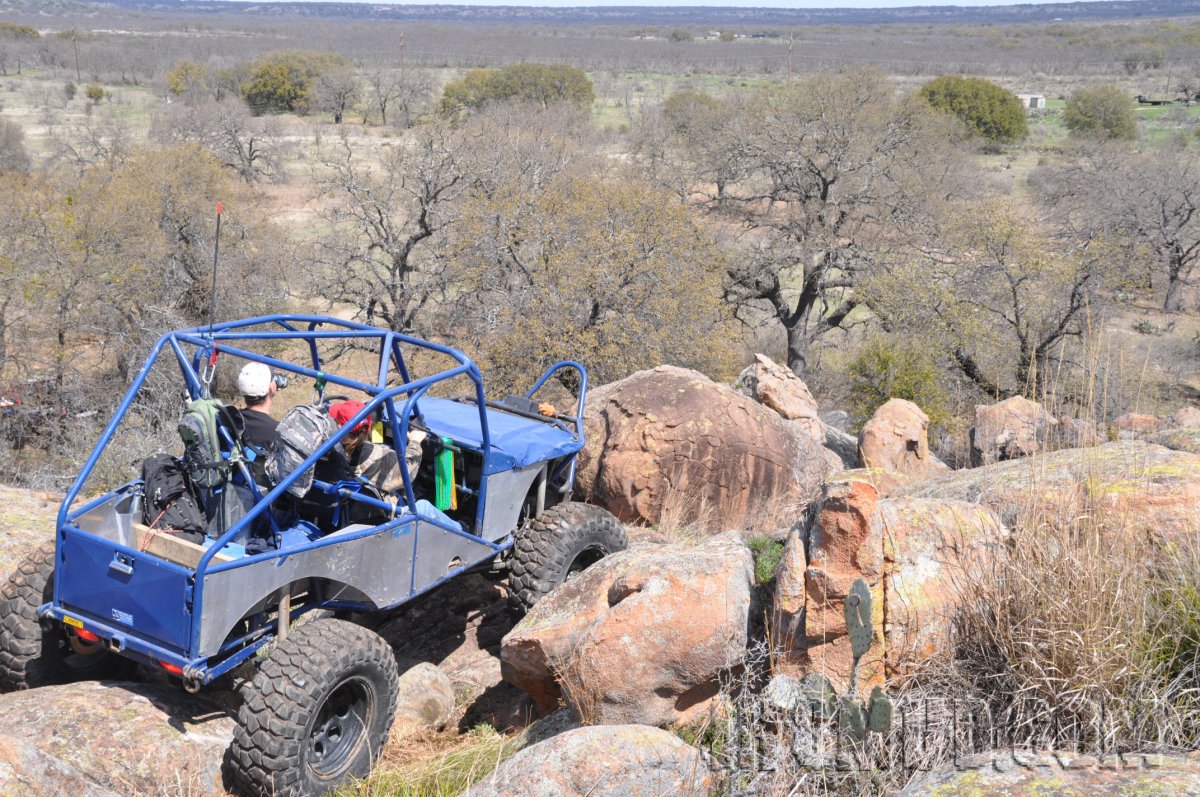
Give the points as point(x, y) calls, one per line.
point(879, 711)
point(819, 695)
point(851, 719)
point(858, 618)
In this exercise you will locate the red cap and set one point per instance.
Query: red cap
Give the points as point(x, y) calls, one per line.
point(343, 411)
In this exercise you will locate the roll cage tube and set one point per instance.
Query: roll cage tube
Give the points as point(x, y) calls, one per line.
point(204, 340)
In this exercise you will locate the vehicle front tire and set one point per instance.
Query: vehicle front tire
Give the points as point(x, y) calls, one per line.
point(560, 542)
point(32, 655)
point(316, 713)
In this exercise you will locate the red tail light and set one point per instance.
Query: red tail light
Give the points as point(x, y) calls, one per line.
point(87, 636)
point(171, 668)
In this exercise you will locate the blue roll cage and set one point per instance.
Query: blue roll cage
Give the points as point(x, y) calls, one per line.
point(208, 341)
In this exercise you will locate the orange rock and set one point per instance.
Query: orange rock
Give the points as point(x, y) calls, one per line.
point(777, 387)
point(1184, 418)
point(908, 551)
point(640, 637)
point(884, 481)
point(673, 437)
point(897, 439)
point(1010, 429)
point(1136, 424)
point(1127, 486)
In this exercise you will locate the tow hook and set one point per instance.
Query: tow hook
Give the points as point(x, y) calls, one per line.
point(191, 681)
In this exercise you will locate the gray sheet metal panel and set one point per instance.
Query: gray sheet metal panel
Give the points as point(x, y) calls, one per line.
point(111, 519)
point(377, 568)
point(505, 494)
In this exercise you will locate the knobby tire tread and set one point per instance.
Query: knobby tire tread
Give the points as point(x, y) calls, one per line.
point(544, 548)
point(287, 691)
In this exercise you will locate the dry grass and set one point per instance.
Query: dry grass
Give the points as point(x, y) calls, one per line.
point(436, 764)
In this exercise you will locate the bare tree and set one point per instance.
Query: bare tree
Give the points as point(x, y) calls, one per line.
point(1137, 203)
point(387, 210)
point(335, 91)
point(403, 93)
point(102, 138)
point(249, 145)
point(13, 154)
point(821, 182)
point(999, 293)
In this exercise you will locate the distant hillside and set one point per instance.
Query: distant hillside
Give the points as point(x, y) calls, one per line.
point(640, 15)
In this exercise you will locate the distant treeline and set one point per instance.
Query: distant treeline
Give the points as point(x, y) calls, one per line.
point(643, 15)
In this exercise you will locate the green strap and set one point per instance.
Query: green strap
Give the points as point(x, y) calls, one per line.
point(443, 469)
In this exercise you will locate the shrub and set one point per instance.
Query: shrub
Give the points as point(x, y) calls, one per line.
point(885, 369)
point(767, 555)
point(989, 110)
point(70, 89)
point(542, 84)
point(11, 30)
point(282, 82)
point(1103, 112)
point(94, 92)
point(13, 155)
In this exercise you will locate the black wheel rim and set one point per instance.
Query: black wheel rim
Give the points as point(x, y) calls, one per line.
point(339, 730)
point(585, 559)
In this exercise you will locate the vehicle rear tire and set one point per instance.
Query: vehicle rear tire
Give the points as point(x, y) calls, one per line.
point(552, 547)
point(316, 713)
point(32, 655)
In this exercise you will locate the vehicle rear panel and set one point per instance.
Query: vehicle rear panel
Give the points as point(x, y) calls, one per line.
point(122, 588)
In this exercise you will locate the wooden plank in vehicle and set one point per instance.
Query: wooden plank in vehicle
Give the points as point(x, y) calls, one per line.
point(171, 547)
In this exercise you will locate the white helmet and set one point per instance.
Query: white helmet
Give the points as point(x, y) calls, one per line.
point(254, 380)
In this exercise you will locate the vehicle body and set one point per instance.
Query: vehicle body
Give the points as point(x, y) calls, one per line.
point(166, 613)
point(112, 590)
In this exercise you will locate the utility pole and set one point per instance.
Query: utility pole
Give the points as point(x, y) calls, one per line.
point(401, 56)
point(75, 42)
point(791, 44)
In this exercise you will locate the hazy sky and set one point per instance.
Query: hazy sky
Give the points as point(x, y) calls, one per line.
point(727, 3)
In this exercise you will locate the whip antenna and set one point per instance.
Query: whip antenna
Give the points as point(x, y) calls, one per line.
point(212, 299)
point(206, 374)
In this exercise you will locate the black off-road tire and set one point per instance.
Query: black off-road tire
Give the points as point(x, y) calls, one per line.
point(33, 656)
point(316, 713)
point(552, 547)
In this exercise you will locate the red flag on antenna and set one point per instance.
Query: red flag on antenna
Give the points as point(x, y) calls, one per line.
point(218, 208)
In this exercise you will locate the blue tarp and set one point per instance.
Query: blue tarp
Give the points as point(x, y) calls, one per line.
point(525, 440)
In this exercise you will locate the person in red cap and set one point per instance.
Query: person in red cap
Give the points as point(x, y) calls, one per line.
point(376, 464)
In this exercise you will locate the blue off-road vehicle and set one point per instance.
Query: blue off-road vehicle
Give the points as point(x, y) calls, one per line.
point(277, 585)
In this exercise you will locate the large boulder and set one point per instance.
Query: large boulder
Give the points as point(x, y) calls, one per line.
point(777, 387)
point(1183, 418)
point(1010, 429)
point(843, 445)
point(909, 552)
point(1077, 433)
point(670, 437)
point(1006, 773)
point(1178, 439)
point(1130, 486)
point(110, 739)
point(897, 439)
point(640, 637)
point(1133, 425)
point(26, 521)
point(601, 761)
point(424, 699)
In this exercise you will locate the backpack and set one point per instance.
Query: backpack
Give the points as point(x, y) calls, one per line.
point(202, 441)
point(170, 502)
point(300, 433)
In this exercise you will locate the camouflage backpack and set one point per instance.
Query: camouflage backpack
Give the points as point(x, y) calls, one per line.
point(300, 433)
